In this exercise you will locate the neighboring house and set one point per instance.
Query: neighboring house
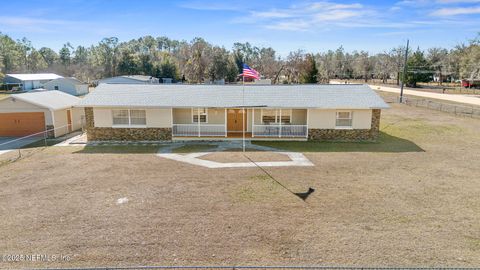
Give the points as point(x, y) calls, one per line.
point(68, 85)
point(130, 79)
point(273, 112)
point(29, 81)
point(34, 112)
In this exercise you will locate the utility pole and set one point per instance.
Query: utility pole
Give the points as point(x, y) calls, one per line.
point(404, 73)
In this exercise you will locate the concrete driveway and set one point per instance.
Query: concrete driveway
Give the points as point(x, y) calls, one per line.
point(10, 143)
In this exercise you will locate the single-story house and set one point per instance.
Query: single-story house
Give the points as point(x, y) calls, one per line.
point(29, 81)
point(130, 79)
point(273, 112)
point(29, 113)
point(68, 85)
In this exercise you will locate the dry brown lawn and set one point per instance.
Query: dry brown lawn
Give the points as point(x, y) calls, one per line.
point(419, 207)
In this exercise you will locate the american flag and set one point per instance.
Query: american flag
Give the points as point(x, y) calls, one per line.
point(249, 72)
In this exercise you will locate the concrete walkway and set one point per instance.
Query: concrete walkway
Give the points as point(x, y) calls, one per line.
point(296, 159)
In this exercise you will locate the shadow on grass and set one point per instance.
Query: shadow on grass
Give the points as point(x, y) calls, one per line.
point(119, 149)
point(385, 143)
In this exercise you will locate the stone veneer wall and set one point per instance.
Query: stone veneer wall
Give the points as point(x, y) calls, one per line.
point(348, 134)
point(123, 134)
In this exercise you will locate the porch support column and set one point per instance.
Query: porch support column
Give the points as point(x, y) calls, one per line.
point(280, 128)
point(306, 133)
point(198, 121)
point(226, 130)
point(253, 122)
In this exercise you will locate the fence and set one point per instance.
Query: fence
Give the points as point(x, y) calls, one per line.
point(460, 110)
point(264, 268)
point(12, 148)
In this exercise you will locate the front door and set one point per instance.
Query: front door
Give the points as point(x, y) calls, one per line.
point(234, 120)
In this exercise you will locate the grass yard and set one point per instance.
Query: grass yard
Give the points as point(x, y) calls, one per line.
point(411, 199)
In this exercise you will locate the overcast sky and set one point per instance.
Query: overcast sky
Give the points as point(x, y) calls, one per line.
point(285, 25)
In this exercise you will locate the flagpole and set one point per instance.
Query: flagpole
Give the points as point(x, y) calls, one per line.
point(243, 112)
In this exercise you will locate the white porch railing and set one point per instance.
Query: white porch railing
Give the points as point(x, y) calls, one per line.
point(277, 130)
point(195, 130)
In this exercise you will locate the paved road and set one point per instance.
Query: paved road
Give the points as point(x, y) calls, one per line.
point(466, 99)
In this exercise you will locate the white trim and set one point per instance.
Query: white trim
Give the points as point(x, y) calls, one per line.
point(308, 113)
point(253, 121)
point(226, 128)
point(206, 115)
point(130, 125)
point(350, 118)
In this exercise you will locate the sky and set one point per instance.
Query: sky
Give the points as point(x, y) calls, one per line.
point(285, 25)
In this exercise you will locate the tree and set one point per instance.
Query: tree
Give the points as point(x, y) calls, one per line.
point(168, 70)
point(437, 59)
point(65, 55)
point(217, 69)
point(418, 69)
point(10, 55)
point(107, 51)
point(49, 56)
point(309, 70)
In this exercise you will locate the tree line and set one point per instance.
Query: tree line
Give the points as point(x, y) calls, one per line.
point(198, 61)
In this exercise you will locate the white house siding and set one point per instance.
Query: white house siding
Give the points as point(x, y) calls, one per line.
point(159, 118)
point(102, 117)
point(78, 118)
point(216, 116)
point(18, 106)
point(362, 119)
point(60, 122)
point(299, 116)
point(182, 116)
point(325, 119)
point(156, 118)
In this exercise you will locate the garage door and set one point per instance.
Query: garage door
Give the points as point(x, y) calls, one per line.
point(21, 124)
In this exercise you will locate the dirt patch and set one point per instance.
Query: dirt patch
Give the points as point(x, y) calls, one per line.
point(226, 157)
point(385, 208)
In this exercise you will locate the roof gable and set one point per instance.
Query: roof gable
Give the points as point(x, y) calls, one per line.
point(53, 100)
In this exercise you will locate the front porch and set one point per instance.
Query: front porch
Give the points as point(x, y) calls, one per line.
point(231, 123)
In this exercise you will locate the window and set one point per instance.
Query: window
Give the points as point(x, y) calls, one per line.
point(138, 117)
point(269, 116)
point(272, 116)
point(55, 87)
point(344, 119)
point(120, 117)
point(203, 112)
point(129, 117)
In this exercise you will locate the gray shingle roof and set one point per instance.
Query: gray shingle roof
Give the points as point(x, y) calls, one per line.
point(53, 100)
point(328, 96)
